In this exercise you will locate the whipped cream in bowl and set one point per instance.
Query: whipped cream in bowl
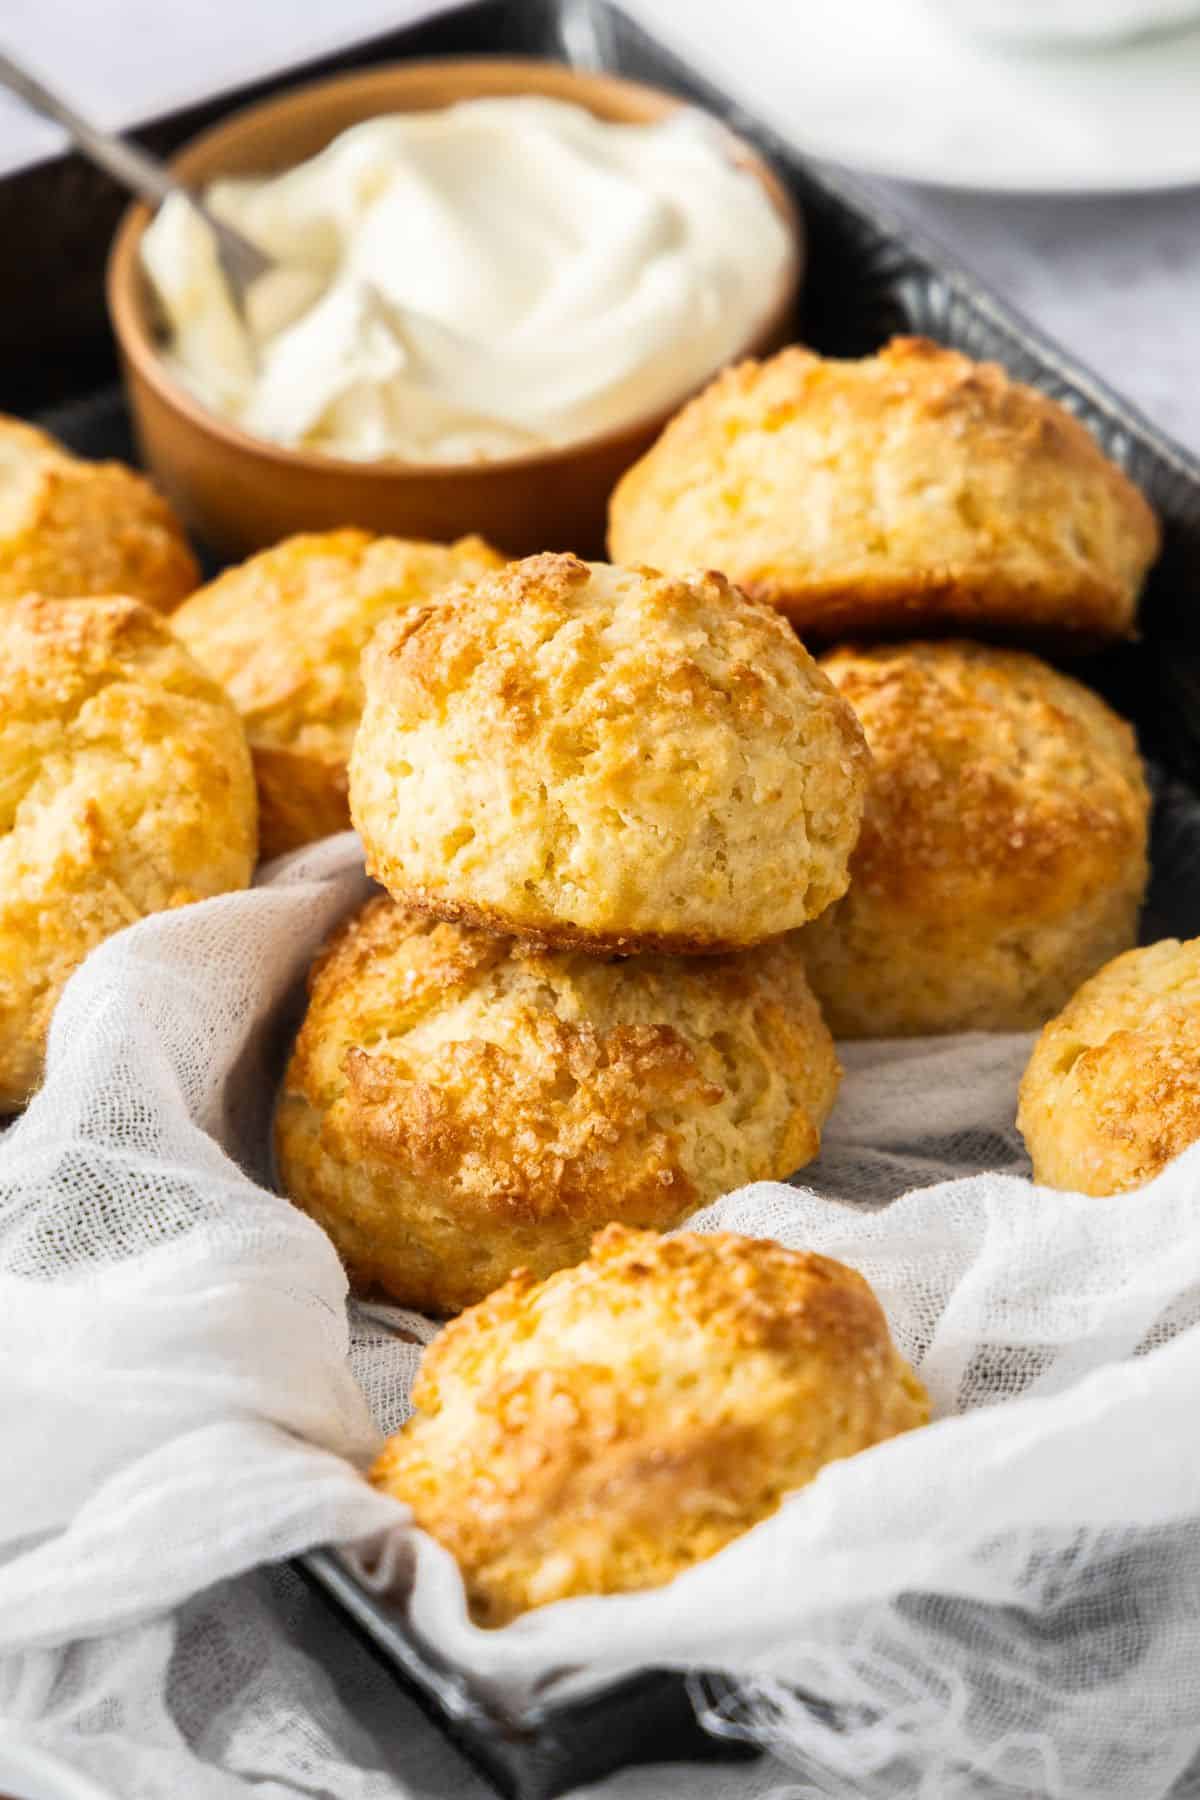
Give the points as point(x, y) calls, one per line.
point(499, 277)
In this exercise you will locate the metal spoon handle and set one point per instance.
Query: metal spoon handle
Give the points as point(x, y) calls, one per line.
point(124, 162)
point(242, 262)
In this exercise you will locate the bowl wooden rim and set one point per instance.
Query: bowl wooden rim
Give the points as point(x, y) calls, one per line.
point(610, 96)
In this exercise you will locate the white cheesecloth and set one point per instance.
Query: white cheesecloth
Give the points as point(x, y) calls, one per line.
point(1006, 1603)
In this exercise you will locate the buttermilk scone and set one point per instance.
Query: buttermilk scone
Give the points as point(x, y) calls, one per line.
point(1112, 1091)
point(70, 527)
point(125, 788)
point(611, 1427)
point(1003, 849)
point(284, 633)
point(460, 1105)
point(908, 490)
point(602, 756)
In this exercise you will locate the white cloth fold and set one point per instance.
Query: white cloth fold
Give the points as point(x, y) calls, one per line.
point(186, 1398)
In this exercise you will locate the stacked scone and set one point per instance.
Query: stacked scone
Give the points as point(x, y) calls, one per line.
point(599, 800)
point(898, 499)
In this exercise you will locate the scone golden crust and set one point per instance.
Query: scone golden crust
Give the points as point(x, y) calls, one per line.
point(582, 754)
point(1112, 1091)
point(284, 633)
point(1003, 848)
point(70, 527)
point(125, 788)
point(627, 1418)
point(908, 490)
point(460, 1105)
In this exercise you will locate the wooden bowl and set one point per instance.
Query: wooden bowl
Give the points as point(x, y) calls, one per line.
point(240, 493)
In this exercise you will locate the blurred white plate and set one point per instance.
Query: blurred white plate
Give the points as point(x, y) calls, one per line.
point(890, 87)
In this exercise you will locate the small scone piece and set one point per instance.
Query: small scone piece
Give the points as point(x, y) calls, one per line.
point(284, 633)
point(622, 1421)
point(1112, 1091)
point(582, 754)
point(906, 491)
point(1003, 849)
point(125, 788)
point(460, 1105)
point(70, 527)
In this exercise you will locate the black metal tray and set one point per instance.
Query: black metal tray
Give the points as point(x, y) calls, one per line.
point(542, 1748)
point(868, 278)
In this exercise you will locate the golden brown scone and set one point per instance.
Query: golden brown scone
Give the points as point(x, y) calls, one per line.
point(1112, 1091)
point(70, 527)
point(459, 1105)
point(910, 490)
point(583, 754)
point(285, 631)
point(125, 788)
point(1003, 848)
point(627, 1418)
